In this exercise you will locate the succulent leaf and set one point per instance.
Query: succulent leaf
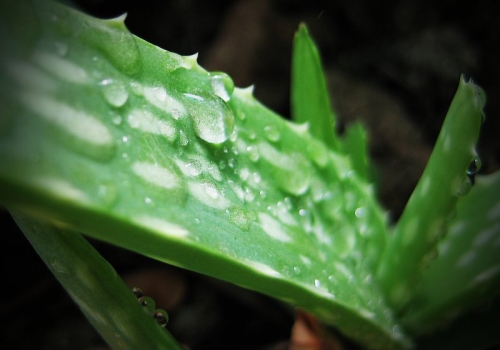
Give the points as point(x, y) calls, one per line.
point(310, 101)
point(425, 218)
point(467, 268)
point(156, 155)
point(95, 287)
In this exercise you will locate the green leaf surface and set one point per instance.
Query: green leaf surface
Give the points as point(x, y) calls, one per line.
point(355, 145)
point(95, 287)
point(467, 270)
point(425, 218)
point(144, 149)
point(310, 101)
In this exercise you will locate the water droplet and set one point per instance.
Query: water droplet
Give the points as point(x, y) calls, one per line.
point(108, 193)
point(208, 193)
point(317, 283)
point(212, 117)
point(137, 292)
point(193, 168)
point(125, 139)
point(272, 133)
point(222, 85)
point(360, 212)
point(117, 120)
point(473, 169)
point(148, 200)
point(253, 153)
point(291, 172)
point(239, 218)
point(249, 195)
point(183, 139)
point(114, 92)
point(136, 88)
point(148, 303)
point(296, 269)
point(161, 316)
point(464, 187)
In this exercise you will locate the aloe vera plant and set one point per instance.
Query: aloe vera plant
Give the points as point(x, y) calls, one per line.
point(106, 135)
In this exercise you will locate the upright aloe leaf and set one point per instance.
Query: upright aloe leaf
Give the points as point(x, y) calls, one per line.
point(309, 96)
point(425, 217)
point(468, 262)
point(144, 149)
point(96, 288)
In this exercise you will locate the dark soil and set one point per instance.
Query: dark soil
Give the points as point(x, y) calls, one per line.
point(395, 65)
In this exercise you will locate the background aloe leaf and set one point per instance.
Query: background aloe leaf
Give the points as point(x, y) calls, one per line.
point(95, 287)
point(425, 218)
point(144, 149)
point(467, 270)
point(310, 101)
point(355, 144)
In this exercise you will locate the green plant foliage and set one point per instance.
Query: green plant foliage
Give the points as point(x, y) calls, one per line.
point(309, 97)
point(425, 217)
point(130, 144)
point(95, 286)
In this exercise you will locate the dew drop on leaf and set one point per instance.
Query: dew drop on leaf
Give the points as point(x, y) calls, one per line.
point(114, 92)
point(108, 193)
point(272, 133)
point(473, 168)
point(238, 217)
point(192, 168)
point(222, 85)
point(161, 316)
point(464, 187)
point(148, 303)
point(212, 117)
point(137, 292)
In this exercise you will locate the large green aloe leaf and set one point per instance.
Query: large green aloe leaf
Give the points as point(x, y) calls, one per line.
point(144, 149)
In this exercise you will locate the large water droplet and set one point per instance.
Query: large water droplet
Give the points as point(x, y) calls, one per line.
point(291, 172)
point(161, 316)
point(213, 119)
point(222, 85)
point(114, 92)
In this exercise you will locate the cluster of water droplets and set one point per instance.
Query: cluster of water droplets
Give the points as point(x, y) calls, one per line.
point(149, 306)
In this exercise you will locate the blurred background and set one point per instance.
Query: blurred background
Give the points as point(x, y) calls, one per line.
point(394, 65)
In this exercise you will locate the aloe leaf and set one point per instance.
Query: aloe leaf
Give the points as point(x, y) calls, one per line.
point(95, 287)
point(432, 203)
point(142, 148)
point(467, 269)
point(355, 144)
point(310, 101)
